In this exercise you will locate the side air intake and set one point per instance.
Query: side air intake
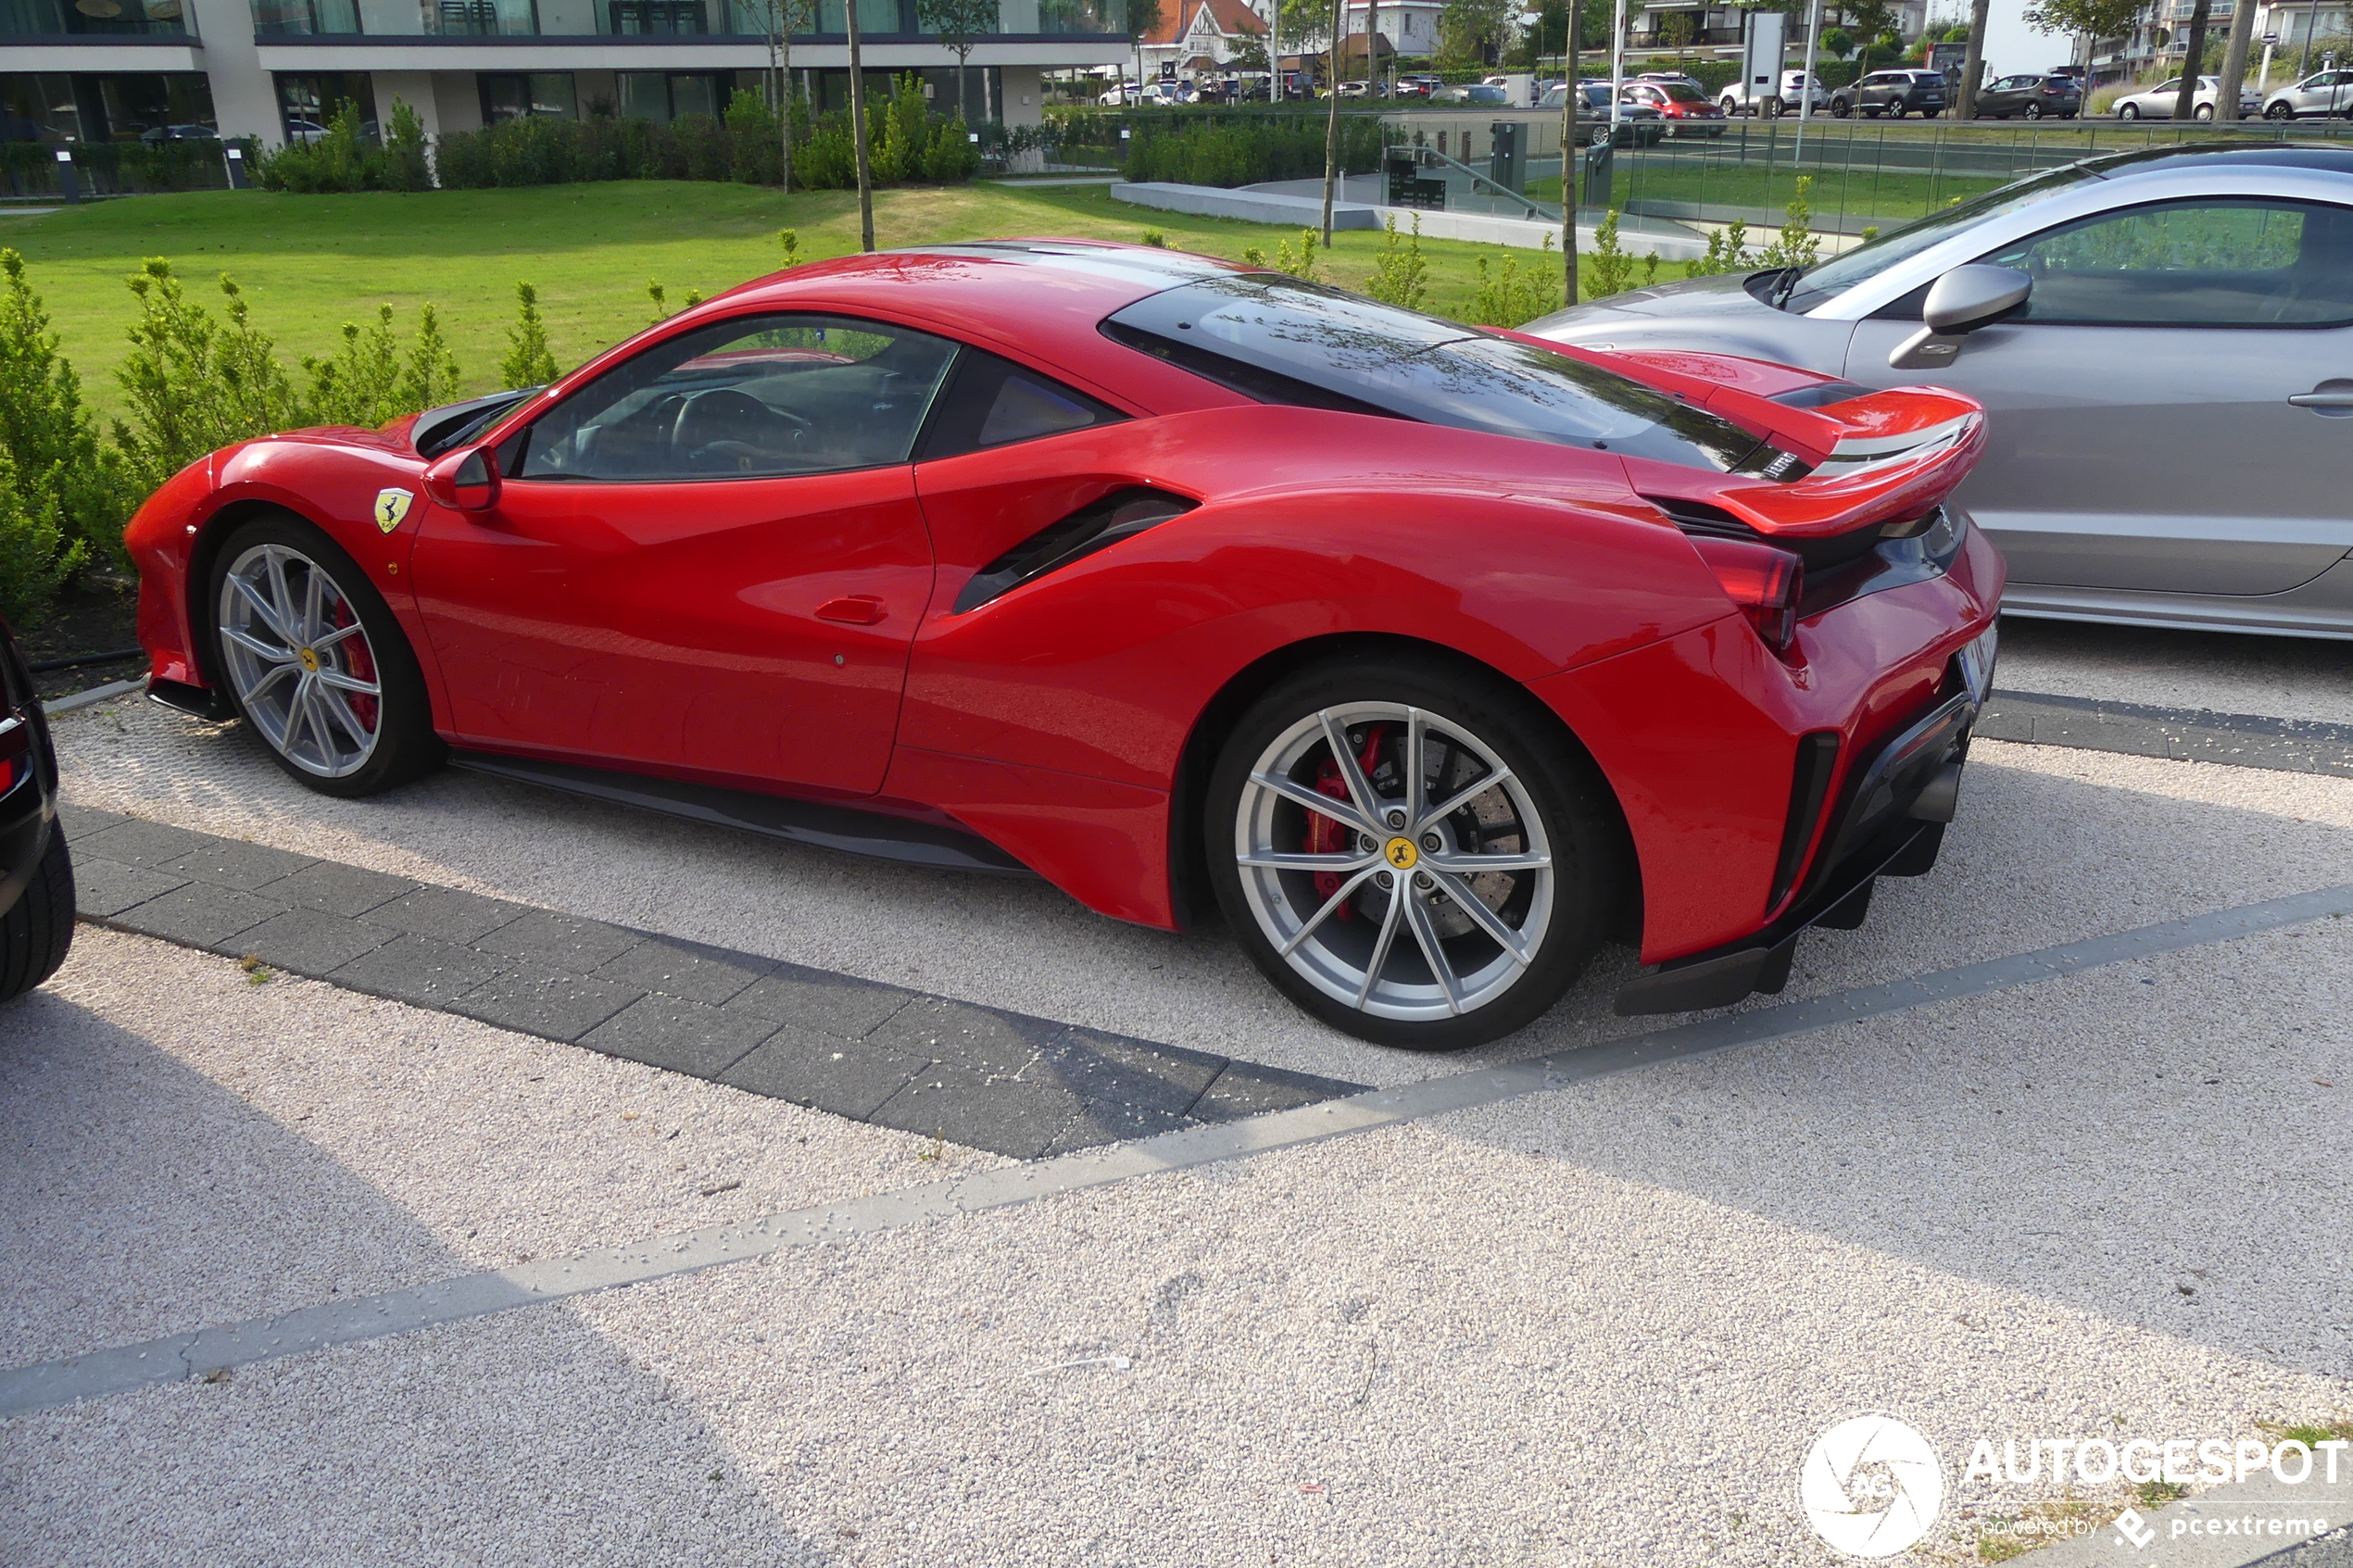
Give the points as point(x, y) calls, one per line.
point(1123, 514)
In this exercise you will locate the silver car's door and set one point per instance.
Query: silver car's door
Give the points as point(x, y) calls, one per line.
point(2143, 433)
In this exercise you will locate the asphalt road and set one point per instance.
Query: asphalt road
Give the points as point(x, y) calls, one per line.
point(1596, 1324)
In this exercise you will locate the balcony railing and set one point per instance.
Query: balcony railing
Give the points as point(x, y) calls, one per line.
point(118, 18)
point(894, 19)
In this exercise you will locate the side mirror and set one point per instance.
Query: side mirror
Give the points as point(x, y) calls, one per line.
point(1958, 302)
point(465, 481)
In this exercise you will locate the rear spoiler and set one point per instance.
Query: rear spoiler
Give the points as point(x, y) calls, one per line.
point(1883, 456)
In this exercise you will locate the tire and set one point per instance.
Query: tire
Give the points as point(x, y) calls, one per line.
point(2129, 111)
point(1359, 957)
point(2034, 111)
point(1841, 110)
point(2203, 111)
point(2278, 111)
point(35, 934)
point(357, 720)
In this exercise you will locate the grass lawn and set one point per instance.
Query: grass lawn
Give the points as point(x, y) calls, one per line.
point(309, 264)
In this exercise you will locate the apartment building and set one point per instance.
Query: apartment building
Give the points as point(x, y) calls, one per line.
point(119, 69)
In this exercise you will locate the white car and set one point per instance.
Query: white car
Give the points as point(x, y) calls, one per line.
point(2157, 103)
point(1122, 95)
point(2323, 93)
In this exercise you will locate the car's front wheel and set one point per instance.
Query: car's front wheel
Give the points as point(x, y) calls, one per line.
point(315, 662)
point(1415, 855)
point(2278, 111)
point(38, 928)
point(2129, 111)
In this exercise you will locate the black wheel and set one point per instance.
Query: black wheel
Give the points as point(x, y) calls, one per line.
point(1416, 855)
point(36, 933)
point(1841, 108)
point(315, 663)
point(2034, 111)
point(2278, 111)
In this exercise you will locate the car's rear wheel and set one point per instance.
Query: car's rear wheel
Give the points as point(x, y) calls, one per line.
point(38, 928)
point(2034, 111)
point(1417, 855)
point(315, 662)
point(2204, 111)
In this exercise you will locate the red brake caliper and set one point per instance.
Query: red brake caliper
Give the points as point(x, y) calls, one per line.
point(1328, 836)
point(363, 666)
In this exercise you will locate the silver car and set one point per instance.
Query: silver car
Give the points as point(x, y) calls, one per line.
point(2157, 103)
point(2323, 93)
point(2165, 341)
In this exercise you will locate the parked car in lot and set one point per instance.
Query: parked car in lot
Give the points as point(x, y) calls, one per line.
point(2322, 93)
point(1685, 111)
point(2031, 96)
point(2157, 102)
point(1671, 78)
point(1638, 125)
point(1781, 97)
point(155, 134)
point(2168, 392)
point(36, 875)
point(1477, 95)
point(1418, 86)
point(1170, 579)
point(1894, 93)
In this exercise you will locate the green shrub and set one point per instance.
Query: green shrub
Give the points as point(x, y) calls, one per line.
point(35, 558)
point(1510, 297)
point(368, 381)
point(1247, 150)
point(528, 361)
point(1400, 275)
point(755, 158)
point(64, 486)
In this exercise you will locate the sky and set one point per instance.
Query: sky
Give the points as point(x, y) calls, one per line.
point(2010, 46)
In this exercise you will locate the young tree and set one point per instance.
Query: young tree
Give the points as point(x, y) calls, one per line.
point(858, 129)
point(1474, 32)
point(2086, 19)
point(778, 20)
point(1871, 18)
point(960, 24)
point(1331, 119)
point(1838, 42)
point(1143, 21)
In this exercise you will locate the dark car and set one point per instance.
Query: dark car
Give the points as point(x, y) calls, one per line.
point(36, 881)
point(2034, 96)
point(1896, 92)
point(1476, 94)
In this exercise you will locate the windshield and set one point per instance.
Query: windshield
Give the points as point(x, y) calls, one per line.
point(1283, 340)
point(1825, 282)
point(1683, 94)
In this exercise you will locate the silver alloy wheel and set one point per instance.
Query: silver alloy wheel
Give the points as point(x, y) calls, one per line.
point(299, 661)
point(1438, 817)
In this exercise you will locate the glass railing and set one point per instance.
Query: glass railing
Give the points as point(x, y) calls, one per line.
point(479, 18)
point(165, 19)
point(627, 18)
point(296, 18)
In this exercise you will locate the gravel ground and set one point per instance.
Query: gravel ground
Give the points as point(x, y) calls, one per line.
point(2284, 677)
point(1596, 1326)
point(2035, 860)
point(186, 1148)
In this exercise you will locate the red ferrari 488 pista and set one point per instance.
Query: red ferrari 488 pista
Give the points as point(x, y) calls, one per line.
point(1432, 656)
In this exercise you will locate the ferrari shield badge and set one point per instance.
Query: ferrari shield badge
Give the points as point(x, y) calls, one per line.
point(391, 507)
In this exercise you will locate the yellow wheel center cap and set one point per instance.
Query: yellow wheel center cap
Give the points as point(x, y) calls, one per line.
point(1400, 853)
point(310, 662)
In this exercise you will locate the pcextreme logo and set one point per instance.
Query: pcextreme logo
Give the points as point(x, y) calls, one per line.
point(1871, 1486)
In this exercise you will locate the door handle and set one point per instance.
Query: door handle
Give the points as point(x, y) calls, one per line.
point(860, 609)
point(2333, 398)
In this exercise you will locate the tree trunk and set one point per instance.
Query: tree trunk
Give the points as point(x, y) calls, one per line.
point(858, 129)
point(1568, 163)
point(1331, 121)
point(963, 115)
point(2233, 76)
point(2185, 101)
point(1973, 67)
point(784, 94)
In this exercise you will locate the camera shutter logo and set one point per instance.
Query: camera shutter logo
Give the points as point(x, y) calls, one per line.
point(1871, 1486)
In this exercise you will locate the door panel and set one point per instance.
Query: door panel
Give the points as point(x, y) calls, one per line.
point(676, 626)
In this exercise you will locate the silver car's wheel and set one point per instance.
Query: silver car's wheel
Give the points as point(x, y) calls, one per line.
point(299, 661)
point(1394, 861)
point(2129, 111)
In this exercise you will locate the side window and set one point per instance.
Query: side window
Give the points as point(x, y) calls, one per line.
point(2223, 263)
point(994, 402)
point(758, 396)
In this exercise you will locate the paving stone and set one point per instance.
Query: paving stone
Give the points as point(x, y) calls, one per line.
point(1118, 1071)
point(981, 1109)
point(80, 821)
point(686, 970)
point(225, 862)
point(309, 942)
point(539, 999)
point(337, 889)
point(981, 1040)
point(1245, 1088)
point(103, 889)
point(829, 1004)
point(417, 969)
point(684, 1037)
point(137, 843)
point(444, 914)
point(1097, 1124)
point(564, 940)
point(198, 915)
point(849, 1078)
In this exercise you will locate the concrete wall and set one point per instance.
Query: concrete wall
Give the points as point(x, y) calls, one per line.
point(245, 101)
point(457, 102)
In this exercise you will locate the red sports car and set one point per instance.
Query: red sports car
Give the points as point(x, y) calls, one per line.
point(1433, 657)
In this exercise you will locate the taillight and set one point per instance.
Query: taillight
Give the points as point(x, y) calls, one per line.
point(1763, 581)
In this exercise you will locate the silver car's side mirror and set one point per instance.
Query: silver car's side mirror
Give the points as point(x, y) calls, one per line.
point(1959, 302)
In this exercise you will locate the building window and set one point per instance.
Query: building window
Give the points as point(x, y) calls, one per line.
point(105, 106)
point(667, 95)
point(480, 18)
point(631, 16)
point(539, 94)
point(20, 19)
point(280, 19)
point(307, 103)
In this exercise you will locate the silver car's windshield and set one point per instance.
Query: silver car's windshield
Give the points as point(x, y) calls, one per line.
point(1825, 282)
